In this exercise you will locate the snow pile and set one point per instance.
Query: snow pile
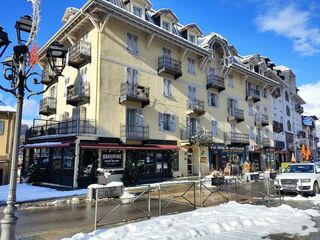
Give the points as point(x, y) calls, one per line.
point(27, 193)
point(112, 184)
point(227, 221)
point(315, 200)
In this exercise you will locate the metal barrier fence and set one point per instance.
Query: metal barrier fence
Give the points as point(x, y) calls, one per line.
point(180, 196)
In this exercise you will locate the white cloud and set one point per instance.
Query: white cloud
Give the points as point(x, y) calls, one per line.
point(310, 93)
point(292, 22)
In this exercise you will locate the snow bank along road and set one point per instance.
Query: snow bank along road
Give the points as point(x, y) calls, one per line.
point(227, 221)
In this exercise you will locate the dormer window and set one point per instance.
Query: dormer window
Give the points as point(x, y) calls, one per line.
point(251, 67)
point(192, 38)
point(137, 11)
point(166, 25)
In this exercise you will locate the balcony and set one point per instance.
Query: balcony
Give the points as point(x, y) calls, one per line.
point(301, 134)
point(79, 54)
point(48, 106)
point(237, 138)
point(196, 107)
point(48, 76)
point(78, 93)
point(133, 132)
point(253, 95)
point(276, 93)
point(277, 127)
point(71, 126)
point(187, 134)
point(170, 66)
point(134, 93)
point(262, 120)
point(236, 115)
point(266, 142)
point(215, 82)
point(299, 109)
point(279, 144)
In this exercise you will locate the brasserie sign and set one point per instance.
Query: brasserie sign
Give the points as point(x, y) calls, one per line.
point(111, 159)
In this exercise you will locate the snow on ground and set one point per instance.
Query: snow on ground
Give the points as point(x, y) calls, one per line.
point(315, 200)
point(227, 221)
point(26, 192)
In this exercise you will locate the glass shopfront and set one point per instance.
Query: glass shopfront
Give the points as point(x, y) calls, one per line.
point(154, 164)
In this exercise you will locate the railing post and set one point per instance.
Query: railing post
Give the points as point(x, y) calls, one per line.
point(237, 191)
point(279, 192)
point(96, 210)
point(149, 203)
point(201, 204)
point(159, 199)
point(268, 189)
point(194, 195)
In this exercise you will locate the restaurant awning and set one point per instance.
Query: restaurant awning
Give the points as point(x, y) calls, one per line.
point(126, 147)
point(47, 145)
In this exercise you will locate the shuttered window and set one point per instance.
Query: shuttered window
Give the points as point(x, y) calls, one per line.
point(132, 43)
point(167, 122)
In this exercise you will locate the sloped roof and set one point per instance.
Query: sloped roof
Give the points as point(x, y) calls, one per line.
point(191, 25)
point(165, 11)
point(206, 39)
point(6, 108)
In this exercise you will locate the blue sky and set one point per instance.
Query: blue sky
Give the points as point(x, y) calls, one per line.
point(286, 31)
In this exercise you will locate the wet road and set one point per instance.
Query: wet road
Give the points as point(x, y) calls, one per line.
point(54, 222)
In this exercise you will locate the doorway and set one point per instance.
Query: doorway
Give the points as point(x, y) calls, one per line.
point(190, 162)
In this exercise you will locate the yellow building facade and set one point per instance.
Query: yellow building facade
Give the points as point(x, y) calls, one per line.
point(7, 123)
point(138, 87)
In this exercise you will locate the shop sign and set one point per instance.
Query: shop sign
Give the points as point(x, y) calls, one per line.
point(111, 159)
point(227, 149)
point(307, 121)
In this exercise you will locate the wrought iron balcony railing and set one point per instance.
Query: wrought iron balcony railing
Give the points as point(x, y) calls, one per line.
point(48, 76)
point(70, 126)
point(196, 106)
point(237, 138)
point(134, 132)
point(215, 82)
point(134, 92)
point(79, 54)
point(169, 66)
point(48, 106)
point(236, 114)
point(253, 94)
point(78, 93)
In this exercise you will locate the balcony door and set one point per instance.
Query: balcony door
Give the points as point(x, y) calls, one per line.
point(233, 104)
point(192, 96)
point(192, 124)
point(134, 122)
point(190, 162)
point(132, 81)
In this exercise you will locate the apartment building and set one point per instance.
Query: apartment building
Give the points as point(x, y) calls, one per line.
point(137, 86)
point(287, 110)
point(7, 123)
point(309, 136)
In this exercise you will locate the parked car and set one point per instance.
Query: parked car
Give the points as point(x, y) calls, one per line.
point(299, 177)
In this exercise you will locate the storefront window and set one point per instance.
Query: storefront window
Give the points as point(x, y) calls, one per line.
point(68, 161)
point(56, 161)
point(175, 161)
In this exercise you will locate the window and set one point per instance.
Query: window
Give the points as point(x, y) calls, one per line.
point(167, 88)
point(191, 66)
point(251, 133)
point(230, 81)
point(289, 126)
point(166, 25)
point(250, 109)
point(214, 127)
point(137, 11)
point(166, 51)
point(167, 122)
point(286, 94)
point(251, 67)
point(288, 111)
point(132, 43)
point(212, 99)
point(132, 76)
point(265, 93)
point(1, 127)
point(267, 132)
point(66, 83)
point(192, 38)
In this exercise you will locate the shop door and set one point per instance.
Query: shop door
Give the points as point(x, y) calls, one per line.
point(56, 169)
point(190, 163)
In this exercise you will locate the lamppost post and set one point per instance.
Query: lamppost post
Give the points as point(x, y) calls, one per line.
point(17, 71)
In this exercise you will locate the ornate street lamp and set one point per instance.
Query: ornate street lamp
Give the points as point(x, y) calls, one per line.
point(23, 25)
point(17, 71)
point(4, 41)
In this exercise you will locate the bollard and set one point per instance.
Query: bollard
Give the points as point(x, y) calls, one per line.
point(96, 210)
point(194, 196)
point(159, 200)
point(279, 191)
point(201, 206)
point(268, 190)
point(149, 203)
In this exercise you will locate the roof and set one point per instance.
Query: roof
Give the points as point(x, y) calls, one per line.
point(191, 25)
point(166, 11)
point(6, 108)
point(206, 39)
